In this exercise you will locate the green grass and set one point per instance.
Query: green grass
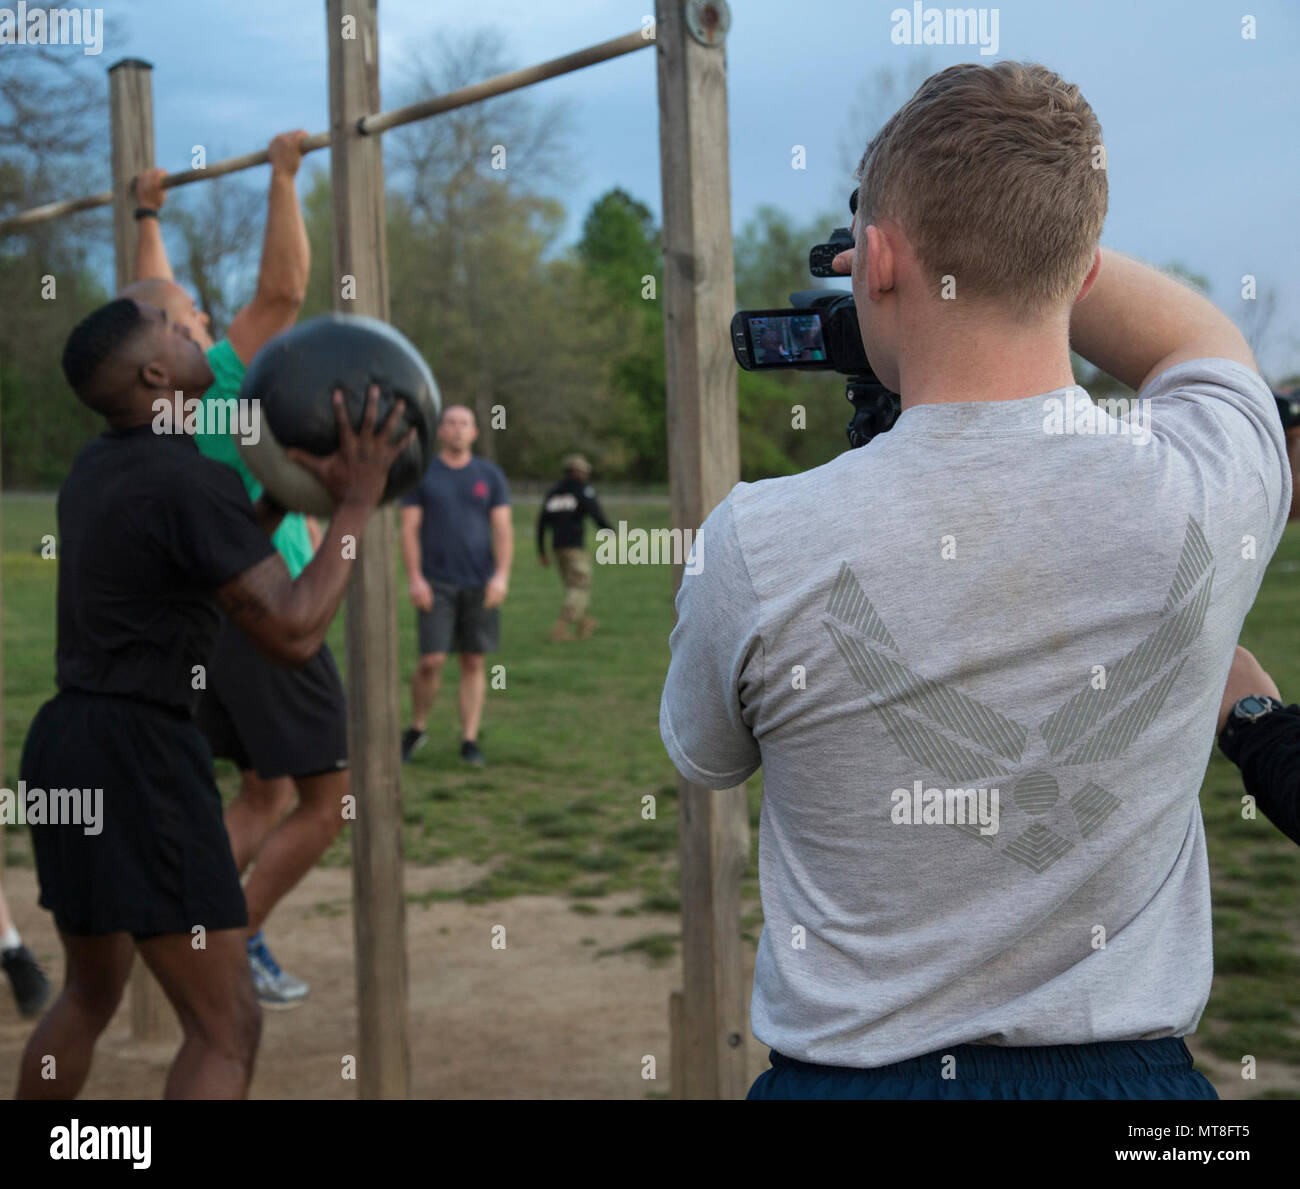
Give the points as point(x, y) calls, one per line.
point(573, 746)
point(572, 739)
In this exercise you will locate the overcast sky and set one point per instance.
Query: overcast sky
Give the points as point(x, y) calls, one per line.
point(1200, 123)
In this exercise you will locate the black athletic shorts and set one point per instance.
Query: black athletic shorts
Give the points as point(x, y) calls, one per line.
point(160, 861)
point(274, 719)
point(458, 622)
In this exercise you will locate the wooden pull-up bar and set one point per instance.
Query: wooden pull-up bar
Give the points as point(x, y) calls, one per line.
point(708, 1018)
point(368, 125)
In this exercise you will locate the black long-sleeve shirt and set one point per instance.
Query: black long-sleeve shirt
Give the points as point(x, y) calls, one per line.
point(1269, 759)
point(563, 509)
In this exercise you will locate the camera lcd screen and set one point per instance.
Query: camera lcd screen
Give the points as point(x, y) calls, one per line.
point(785, 339)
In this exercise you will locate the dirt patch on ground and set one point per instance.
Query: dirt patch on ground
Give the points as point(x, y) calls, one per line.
point(553, 1015)
point(543, 1018)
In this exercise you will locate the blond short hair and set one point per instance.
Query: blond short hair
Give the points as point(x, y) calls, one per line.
point(997, 176)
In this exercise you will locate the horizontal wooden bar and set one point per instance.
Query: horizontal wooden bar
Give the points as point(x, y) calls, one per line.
point(372, 125)
point(504, 83)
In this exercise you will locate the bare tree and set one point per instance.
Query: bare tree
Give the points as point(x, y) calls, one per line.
point(455, 170)
point(878, 96)
point(53, 124)
point(53, 140)
point(512, 140)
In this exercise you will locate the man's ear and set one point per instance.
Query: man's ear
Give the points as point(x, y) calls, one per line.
point(880, 262)
point(154, 375)
point(1091, 278)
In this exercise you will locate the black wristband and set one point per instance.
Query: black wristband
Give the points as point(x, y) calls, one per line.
point(1236, 731)
point(145, 212)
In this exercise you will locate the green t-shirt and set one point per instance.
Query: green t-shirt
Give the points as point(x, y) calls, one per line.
point(291, 537)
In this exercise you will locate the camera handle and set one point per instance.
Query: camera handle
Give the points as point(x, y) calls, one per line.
point(875, 409)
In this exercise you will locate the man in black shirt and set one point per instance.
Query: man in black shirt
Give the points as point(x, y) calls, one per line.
point(153, 538)
point(563, 510)
point(1262, 737)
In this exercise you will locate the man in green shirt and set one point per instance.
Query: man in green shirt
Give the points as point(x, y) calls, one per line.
point(285, 728)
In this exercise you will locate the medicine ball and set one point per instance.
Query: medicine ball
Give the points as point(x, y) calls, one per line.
point(293, 378)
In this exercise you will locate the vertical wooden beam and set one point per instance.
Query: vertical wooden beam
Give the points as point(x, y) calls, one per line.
point(1, 654)
point(378, 894)
point(130, 100)
point(704, 463)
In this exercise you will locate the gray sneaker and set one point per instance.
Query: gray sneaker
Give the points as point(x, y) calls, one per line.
point(275, 989)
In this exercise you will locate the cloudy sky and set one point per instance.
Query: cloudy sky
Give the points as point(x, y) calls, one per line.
point(1200, 122)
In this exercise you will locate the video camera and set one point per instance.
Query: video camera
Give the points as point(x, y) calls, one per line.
point(820, 333)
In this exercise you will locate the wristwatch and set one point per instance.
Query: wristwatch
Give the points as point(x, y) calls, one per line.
point(1243, 715)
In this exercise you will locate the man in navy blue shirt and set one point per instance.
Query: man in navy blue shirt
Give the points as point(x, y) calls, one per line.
point(458, 542)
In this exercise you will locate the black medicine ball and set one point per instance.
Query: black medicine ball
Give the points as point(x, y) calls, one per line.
point(293, 378)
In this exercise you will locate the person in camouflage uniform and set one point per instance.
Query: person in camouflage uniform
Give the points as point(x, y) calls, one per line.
point(564, 510)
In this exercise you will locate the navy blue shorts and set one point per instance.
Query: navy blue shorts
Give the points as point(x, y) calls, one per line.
point(458, 622)
point(277, 720)
point(1140, 1069)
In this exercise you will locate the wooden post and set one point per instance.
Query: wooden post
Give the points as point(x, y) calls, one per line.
point(130, 99)
point(378, 894)
point(2, 671)
point(704, 463)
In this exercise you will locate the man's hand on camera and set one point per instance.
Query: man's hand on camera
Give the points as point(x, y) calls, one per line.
point(1246, 677)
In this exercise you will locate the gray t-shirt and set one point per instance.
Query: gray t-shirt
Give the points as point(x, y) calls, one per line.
point(983, 598)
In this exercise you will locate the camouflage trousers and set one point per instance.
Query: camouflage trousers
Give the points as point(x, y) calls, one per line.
point(575, 573)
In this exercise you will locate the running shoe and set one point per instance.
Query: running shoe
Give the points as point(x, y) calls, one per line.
point(275, 989)
point(470, 753)
point(31, 988)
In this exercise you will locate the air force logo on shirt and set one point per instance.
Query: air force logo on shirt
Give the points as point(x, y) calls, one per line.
point(564, 501)
point(1047, 764)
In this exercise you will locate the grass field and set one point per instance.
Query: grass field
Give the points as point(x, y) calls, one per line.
point(573, 747)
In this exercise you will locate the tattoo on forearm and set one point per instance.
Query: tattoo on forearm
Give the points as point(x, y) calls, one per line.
point(249, 597)
point(240, 605)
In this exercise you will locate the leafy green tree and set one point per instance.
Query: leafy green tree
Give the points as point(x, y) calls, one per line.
point(621, 251)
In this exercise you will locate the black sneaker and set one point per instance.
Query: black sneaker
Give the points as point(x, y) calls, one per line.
point(470, 753)
point(412, 740)
point(31, 988)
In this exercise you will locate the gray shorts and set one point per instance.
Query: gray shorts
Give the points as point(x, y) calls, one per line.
point(458, 622)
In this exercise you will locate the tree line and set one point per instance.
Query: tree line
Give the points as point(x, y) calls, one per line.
point(560, 347)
